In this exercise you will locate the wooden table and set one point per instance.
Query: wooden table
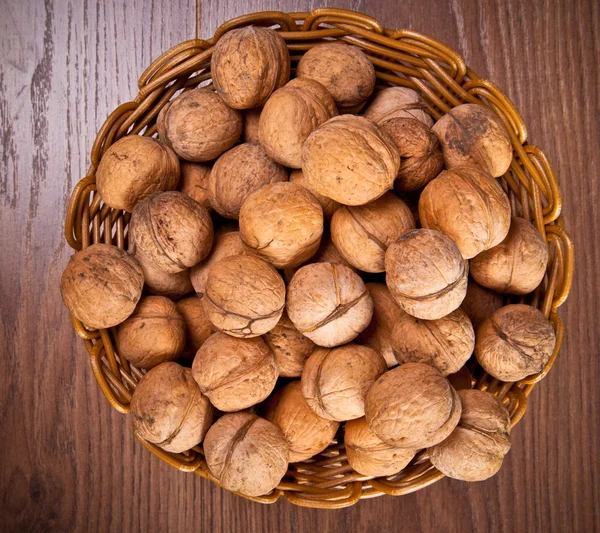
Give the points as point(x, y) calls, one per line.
point(70, 463)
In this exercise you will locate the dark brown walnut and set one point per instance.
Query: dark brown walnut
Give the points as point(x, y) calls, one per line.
point(305, 432)
point(467, 205)
point(363, 233)
point(476, 448)
point(480, 303)
point(398, 102)
point(162, 283)
point(335, 381)
point(251, 118)
point(246, 453)
point(461, 379)
point(290, 116)
point(133, 168)
point(517, 265)
point(290, 347)
point(194, 181)
point(168, 409)
point(244, 297)
point(515, 342)
point(445, 344)
point(153, 334)
point(412, 406)
point(282, 223)
point(426, 274)
point(237, 174)
point(350, 160)
point(344, 70)
point(248, 64)
point(198, 327)
point(101, 285)
point(199, 125)
point(171, 231)
point(235, 373)
point(420, 151)
point(472, 134)
point(369, 455)
point(328, 303)
point(329, 206)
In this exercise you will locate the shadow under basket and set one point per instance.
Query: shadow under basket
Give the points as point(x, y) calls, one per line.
point(401, 57)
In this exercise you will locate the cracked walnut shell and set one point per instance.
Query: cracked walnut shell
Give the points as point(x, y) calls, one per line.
point(398, 102)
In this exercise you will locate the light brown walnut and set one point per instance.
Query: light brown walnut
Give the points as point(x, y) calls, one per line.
point(194, 181)
point(329, 206)
point(198, 327)
point(161, 283)
point(398, 102)
point(251, 118)
point(480, 303)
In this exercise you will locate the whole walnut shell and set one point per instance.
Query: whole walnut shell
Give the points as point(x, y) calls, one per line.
point(199, 126)
point(248, 64)
point(420, 151)
point(350, 159)
point(480, 303)
point(171, 231)
point(328, 303)
point(426, 274)
point(517, 265)
point(329, 206)
point(398, 102)
point(467, 205)
point(290, 347)
point(290, 116)
point(282, 223)
point(335, 381)
point(160, 283)
point(235, 373)
point(101, 285)
point(251, 118)
point(244, 297)
point(344, 70)
point(197, 325)
point(305, 432)
point(237, 174)
point(363, 233)
point(369, 455)
point(194, 182)
point(445, 344)
point(472, 134)
point(412, 406)
point(476, 448)
point(168, 409)
point(515, 342)
point(153, 334)
point(133, 168)
point(246, 453)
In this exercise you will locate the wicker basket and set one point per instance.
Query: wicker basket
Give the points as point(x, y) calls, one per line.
point(401, 57)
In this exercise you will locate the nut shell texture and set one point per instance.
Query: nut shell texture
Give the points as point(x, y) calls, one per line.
point(194, 181)
point(480, 303)
point(329, 206)
point(251, 119)
point(398, 102)
point(162, 283)
point(197, 325)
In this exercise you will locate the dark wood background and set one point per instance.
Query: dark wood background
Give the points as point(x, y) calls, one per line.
point(70, 463)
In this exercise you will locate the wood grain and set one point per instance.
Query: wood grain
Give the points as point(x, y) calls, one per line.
point(70, 462)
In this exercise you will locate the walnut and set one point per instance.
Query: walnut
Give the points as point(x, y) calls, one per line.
point(445, 344)
point(305, 432)
point(162, 283)
point(469, 206)
point(426, 274)
point(517, 265)
point(420, 151)
point(461, 379)
point(290, 347)
point(344, 70)
point(515, 342)
point(412, 406)
point(369, 455)
point(248, 64)
point(197, 325)
point(350, 159)
point(199, 126)
point(194, 181)
point(328, 303)
point(329, 206)
point(237, 174)
point(235, 373)
point(168, 409)
point(476, 448)
point(153, 334)
point(251, 118)
point(133, 168)
point(171, 231)
point(101, 285)
point(244, 297)
point(398, 102)
point(472, 134)
point(363, 233)
point(335, 381)
point(282, 223)
point(290, 116)
point(480, 303)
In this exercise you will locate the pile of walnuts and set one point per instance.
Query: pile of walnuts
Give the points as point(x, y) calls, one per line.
point(309, 260)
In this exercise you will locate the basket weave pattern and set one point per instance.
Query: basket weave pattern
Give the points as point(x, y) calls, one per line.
point(401, 57)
